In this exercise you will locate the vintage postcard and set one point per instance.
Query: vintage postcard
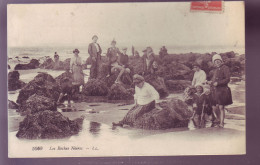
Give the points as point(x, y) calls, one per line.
point(126, 79)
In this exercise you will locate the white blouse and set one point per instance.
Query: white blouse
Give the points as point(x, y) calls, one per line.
point(146, 94)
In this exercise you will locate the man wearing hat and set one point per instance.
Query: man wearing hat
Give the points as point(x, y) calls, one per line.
point(145, 97)
point(148, 60)
point(112, 54)
point(221, 93)
point(94, 51)
point(199, 77)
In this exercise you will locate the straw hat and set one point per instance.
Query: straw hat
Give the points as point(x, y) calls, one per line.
point(75, 50)
point(138, 78)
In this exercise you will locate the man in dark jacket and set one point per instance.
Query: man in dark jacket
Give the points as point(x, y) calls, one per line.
point(94, 51)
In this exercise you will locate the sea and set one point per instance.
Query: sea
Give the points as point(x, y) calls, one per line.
point(67, 52)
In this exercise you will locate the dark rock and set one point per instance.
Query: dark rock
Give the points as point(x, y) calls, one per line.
point(63, 76)
point(36, 103)
point(25, 57)
point(119, 92)
point(43, 84)
point(158, 83)
point(137, 64)
point(66, 64)
point(47, 64)
point(171, 114)
point(12, 105)
point(9, 67)
point(13, 81)
point(33, 64)
point(95, 87)
point(177, 85)
point(48, 125)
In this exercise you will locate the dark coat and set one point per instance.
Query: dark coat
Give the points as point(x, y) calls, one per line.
point(93, 52)
point(148, 68)
point(221, 93)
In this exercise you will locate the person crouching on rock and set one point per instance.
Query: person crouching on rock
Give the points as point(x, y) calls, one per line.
point(201, 106)
point(221, 93)
point(77, 71)
point(145, 98)
point(66, 89)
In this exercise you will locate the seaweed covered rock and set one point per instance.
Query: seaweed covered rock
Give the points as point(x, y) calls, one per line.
point(43, 84)
point(48, 125)
point(158, 83)
point(95, 87)
point(12, 105)
point(36, 103)
point(170, 114)
point(119, 92)
point(177, 85)
point(63, 76)
point(33, 64)
point(14, 81)
point(137, 64)
point(47, 64)
point(66, 64)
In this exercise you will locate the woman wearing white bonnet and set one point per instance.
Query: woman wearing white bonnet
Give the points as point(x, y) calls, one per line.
point(221, 93)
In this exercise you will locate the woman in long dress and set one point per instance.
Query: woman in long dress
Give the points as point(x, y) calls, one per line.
point(77, 71)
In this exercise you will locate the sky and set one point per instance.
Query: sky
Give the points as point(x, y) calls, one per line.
point(142, 24)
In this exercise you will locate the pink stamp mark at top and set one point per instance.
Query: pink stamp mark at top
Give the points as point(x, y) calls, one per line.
point(212, 6)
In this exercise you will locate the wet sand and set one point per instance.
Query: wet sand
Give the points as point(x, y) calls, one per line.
point(98, 131)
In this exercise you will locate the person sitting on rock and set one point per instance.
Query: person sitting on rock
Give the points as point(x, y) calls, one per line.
point(66, 89)
point(199, 77)
point(112, 54)
point(145, 98)
point(123, 61)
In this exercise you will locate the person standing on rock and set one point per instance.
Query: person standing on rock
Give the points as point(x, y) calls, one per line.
point(112, 54)
point(145, 98)
point(77, 71)
point(221, 93)
point(199, 77)
point(94, 51)
point(148, 60)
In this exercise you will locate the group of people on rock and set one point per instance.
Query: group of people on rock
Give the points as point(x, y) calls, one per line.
point(211, 96)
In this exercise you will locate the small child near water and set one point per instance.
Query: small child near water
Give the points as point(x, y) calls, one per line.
point(66, 89)
point(201, 105)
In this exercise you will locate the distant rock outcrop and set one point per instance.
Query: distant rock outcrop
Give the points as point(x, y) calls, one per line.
point(33, 64)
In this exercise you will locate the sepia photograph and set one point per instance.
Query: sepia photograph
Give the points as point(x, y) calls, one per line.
point(126, 79)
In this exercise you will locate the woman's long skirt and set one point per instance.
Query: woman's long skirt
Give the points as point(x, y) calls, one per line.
point(78, 76)
point(137, 111)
